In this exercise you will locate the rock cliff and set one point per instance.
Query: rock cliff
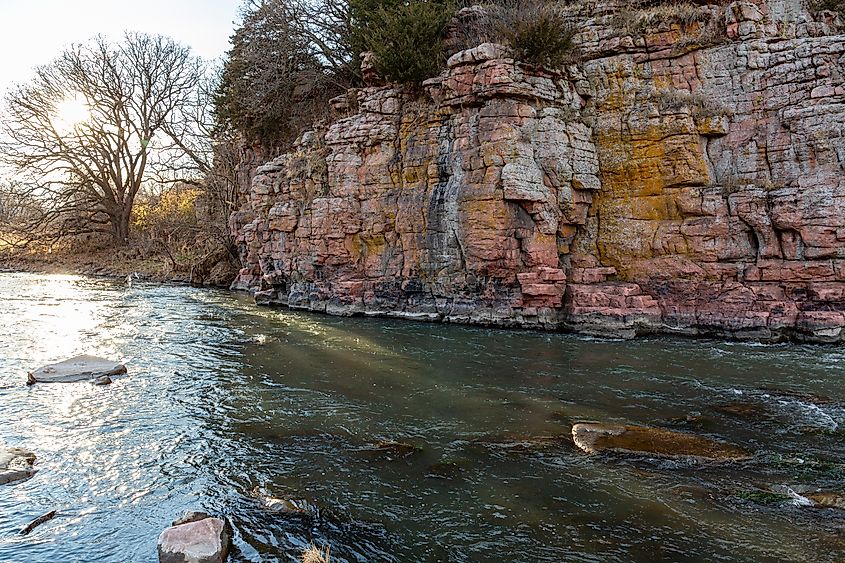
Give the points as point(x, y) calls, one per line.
point(687, 175)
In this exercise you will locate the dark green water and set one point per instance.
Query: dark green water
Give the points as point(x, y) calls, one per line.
point(223, 398)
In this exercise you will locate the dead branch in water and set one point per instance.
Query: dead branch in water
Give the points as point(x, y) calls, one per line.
point(37, 522)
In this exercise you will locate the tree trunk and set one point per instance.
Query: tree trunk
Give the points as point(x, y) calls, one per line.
point(120, 228)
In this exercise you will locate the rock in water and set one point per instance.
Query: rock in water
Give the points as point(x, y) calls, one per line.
point(594, 438)
point(203, 541)
point(15, 465)
point(389, 450)
point(827, 499)
point(80, 368)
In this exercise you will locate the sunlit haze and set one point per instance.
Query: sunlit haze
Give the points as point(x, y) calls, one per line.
point(35, 31)
point(72, 111)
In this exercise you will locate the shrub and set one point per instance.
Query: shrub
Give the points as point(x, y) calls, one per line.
point(538, 31)
point(837, 6)
point(406, 37)
point(171, 221)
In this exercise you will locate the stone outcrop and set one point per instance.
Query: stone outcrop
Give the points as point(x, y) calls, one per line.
point(686, 176)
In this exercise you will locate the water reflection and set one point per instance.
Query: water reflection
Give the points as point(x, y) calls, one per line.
point(223, 398)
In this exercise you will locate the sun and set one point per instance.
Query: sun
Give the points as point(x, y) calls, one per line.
point(70, 112)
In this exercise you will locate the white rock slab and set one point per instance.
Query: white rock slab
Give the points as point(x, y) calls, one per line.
point(204, 541)
point(80, 368)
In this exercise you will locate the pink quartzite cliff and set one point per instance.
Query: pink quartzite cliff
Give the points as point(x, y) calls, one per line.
point(682, 177)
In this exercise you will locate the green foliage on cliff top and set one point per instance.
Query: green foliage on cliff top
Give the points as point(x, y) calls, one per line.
point(837, 6)
point(406, 37)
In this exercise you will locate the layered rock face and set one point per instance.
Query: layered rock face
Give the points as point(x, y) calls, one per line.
point(687, 175)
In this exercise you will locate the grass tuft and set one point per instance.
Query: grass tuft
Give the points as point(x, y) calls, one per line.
point(315, 555)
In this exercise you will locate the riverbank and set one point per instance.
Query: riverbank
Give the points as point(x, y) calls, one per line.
point(133, 260)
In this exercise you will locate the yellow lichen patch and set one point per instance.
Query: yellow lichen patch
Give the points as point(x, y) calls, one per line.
point(374, 244)
point(354, 246)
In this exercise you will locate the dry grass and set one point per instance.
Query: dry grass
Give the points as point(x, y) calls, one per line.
point(701, 25)
point(682, 13)
point(539, 32)
point(315, 555)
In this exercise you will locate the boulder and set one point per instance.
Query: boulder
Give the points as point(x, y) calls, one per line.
point(642, 440)
point(15, 465)
point(827, 499)
point(202, 541)
point(79, 368)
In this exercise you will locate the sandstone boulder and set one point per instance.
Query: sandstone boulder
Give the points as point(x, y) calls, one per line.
point(79, 368)
point(15, 465)
point(827, 499)
point(618, 438)
point(202, 541)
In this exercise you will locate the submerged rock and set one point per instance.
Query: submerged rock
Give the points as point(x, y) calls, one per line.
point(444, 470)
point(287, 506)
point(517, 443)
point(765, 496)
point(390, 450)
point(15, 465)
point(694, 420)
point(803, 396)
point(749, 411)
point(202, 541)
point(79, 368)
point(618, 438)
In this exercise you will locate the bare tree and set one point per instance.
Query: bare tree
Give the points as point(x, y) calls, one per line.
point(94, 125)
point(16, 213)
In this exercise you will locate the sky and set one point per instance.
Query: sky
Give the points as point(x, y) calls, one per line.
point(33, 32)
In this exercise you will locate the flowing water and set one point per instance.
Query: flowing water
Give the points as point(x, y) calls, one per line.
point(225, 402)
